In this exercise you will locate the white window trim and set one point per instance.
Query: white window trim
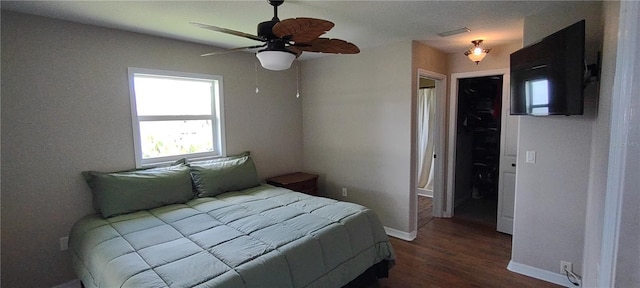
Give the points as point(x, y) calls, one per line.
point(218, 122)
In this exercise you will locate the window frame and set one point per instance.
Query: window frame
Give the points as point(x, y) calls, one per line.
point(216, 117)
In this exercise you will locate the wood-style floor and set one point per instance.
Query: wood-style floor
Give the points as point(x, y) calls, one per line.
point(425, 210)
point(455, 253)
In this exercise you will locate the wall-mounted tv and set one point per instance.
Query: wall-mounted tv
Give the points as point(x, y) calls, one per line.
point(547, 77)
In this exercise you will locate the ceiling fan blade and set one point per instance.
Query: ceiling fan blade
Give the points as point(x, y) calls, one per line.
point(326, 45)
point(301, 29)
point(228, 31)
point(232, 50)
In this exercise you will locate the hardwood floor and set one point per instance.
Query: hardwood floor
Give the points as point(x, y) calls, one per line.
point(482, 211)
point(425, 210)
point(455, 253)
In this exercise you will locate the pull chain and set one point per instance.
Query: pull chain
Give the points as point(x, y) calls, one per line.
point(297, 80)
point(256, 71)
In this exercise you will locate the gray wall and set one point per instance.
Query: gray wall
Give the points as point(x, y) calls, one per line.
point(551, 194)
point(359, 116)
point(356, 114)
point(65, 109)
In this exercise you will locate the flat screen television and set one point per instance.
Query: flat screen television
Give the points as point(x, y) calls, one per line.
point(547, 77)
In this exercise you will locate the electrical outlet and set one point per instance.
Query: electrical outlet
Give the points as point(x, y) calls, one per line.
point(64, 243)
point(344, 192)
point(565, 267)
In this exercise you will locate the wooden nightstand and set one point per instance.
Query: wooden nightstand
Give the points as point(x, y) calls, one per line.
point(299, 181)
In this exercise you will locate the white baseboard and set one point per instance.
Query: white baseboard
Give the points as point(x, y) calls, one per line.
point(425, 192)
point(75, 283)
point(401, 234)
point(541, 274)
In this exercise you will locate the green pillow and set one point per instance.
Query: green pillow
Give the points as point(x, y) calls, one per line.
point(116, 193)
point(214, 177)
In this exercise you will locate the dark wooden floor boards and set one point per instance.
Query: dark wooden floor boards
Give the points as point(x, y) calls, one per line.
point(425, 210)
point(455, 253)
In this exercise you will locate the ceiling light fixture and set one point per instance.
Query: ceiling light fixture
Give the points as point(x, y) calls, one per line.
point(275, 60)
point(476, 53)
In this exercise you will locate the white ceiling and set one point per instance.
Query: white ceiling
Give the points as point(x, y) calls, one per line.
point(364, 23)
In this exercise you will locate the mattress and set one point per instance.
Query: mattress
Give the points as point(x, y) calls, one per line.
point(258, 237)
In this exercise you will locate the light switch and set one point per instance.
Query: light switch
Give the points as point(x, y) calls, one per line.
point(531, 156)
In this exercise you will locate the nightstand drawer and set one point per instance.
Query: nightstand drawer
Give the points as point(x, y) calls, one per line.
point(301, 182)
point(308, 186)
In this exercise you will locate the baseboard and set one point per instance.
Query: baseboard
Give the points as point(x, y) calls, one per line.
point(425, 192)
point(401, 234)
point(538, 273)
point(75, 283)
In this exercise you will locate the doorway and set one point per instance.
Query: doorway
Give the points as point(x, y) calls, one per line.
point(426, 125)
point(506, 157)
point(429, 130)
point(478, 148)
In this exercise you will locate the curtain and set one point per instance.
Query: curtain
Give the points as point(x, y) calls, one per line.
point(426, 126)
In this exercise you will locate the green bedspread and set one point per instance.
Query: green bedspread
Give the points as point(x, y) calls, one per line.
point(259, 237)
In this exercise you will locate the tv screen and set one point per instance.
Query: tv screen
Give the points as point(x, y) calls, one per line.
point(547, 77)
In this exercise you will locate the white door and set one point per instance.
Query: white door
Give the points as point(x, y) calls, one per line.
point(507, 170)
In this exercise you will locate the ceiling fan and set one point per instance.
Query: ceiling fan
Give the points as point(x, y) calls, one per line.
point(285, 40)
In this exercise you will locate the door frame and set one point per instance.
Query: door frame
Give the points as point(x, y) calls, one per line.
point(440, 142)
point(619, 175)
point(453, 119)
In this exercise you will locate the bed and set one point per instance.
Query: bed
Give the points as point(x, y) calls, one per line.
point(243, 234)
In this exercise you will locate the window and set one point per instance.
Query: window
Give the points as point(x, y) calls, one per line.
point(175, 115)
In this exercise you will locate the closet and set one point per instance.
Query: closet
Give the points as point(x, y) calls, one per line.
point(478, 147)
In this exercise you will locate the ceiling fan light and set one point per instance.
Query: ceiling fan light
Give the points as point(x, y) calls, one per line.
point(275, 60)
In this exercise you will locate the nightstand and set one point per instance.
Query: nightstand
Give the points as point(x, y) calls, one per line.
point(299, 181)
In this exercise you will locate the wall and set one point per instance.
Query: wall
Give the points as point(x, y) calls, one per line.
point(600, 148)
point(427, 58)
point(551, 194)
point(360, 134)
point(625, 149)
point(65, 109)
point(357, 133)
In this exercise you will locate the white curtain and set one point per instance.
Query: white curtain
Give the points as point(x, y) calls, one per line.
point(426, 126)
